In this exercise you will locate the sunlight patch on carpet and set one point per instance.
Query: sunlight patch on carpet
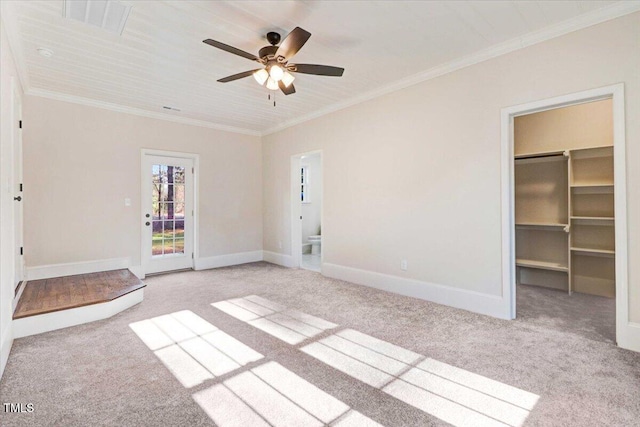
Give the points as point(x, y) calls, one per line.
point(191, 348)
point(451, 394)
point(272, 395)
point(275, 319)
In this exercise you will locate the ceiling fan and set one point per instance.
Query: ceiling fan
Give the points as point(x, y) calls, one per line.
point(276, 71)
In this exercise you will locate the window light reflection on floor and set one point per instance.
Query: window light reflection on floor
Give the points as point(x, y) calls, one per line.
point(451, 394)
point(290, 326)
point(193, 349)
point(272, 395)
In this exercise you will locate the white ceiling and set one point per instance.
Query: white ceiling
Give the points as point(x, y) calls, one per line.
point(160, 60)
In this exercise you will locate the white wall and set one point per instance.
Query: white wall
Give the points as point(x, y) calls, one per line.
point(7, 250)
point(415, 174)
point(81, 162)
point(312, 209)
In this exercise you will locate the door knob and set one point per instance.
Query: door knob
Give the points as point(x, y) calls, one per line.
point(19, 198)
point(147, 223)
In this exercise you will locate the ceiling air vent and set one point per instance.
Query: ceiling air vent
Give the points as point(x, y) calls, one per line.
point(109, 15)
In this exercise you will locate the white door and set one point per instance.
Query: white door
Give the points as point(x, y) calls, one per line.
point(17, 186)
point(167, 213)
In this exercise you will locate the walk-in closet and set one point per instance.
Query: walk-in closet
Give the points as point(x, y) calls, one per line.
point(564, 211)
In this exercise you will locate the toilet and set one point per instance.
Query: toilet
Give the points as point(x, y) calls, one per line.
point(315, 244)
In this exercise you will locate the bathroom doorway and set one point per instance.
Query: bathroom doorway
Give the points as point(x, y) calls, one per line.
point(306, 233)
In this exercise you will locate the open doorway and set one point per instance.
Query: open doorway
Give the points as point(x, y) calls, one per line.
point(306, 176)
point(567, 227)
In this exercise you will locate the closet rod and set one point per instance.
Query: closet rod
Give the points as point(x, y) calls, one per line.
point(540, 156)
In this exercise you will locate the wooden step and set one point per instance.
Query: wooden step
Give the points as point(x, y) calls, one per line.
point(69, 292)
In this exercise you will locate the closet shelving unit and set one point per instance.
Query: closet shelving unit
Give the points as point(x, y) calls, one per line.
point(565, 220)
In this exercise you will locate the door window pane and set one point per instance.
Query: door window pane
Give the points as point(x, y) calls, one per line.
point(168, 207)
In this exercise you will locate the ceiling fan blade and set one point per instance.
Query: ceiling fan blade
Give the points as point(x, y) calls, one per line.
point(286, 90)
point(237, 76)
point(318, 70)
point(231, 49)
point(293, 42)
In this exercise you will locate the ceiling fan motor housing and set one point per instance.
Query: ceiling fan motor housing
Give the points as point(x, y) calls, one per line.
point(267, 51)
point(273, 38)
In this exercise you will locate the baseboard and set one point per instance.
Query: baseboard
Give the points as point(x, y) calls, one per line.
point(73, 268)
point(32, 325)
point(628, 336)
point(227, 260)
point(6, 341)
point(279, 259)
point(446, 295)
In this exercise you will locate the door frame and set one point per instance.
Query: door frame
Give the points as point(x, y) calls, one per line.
point(296, 207)
point(627, 333)
point(16, 180)
point(144, 209)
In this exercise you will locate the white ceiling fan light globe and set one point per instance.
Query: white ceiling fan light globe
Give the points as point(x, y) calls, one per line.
point(276, 72)
point(287, 79)
point(261, 76)
point(272, 84)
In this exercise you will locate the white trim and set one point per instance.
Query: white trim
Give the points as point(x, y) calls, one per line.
point(74, 268)
point(616, 10)
point(476, 302)
point(148, 265)
point(32, 325)
point(16, 298)
point(137, 270)
point(589, 19)
point(227, 260)
point(627, 334)
point(278, 259)
point(6, 341)
point(44, 93)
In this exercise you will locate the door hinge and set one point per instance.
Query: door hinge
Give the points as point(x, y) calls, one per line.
point(21, 250)
point(191, 255)
point(20, 187)
point(20, 124)
point(193, 170)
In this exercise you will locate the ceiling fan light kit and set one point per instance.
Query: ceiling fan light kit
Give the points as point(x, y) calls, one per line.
point(261, 76)
point(277, 71)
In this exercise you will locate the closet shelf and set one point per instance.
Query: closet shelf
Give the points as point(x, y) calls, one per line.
point(594, 220)
point(542, 225)
point(592, 188)
point(593, 152)
point(542, 265)
point(593, 251)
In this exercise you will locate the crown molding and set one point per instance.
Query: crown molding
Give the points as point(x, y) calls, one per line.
point(595, 17)
point(137, 111)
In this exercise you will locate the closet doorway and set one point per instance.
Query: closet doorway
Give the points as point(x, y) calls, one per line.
point(306, 210)
point(567, 230)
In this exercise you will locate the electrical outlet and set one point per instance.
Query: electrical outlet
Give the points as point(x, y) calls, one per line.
point(127, 202)
point(404, 265)
point(279, 244)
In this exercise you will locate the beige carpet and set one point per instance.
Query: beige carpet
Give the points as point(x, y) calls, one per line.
point(365, 356)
